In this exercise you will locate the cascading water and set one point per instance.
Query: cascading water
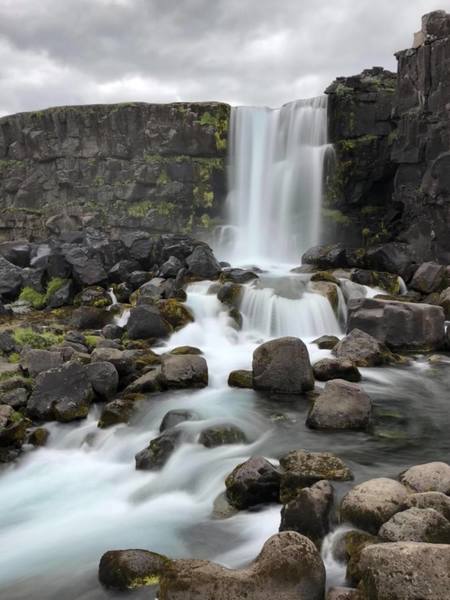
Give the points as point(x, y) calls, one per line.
point(277, 159)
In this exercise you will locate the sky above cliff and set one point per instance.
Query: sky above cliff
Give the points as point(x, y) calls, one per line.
point(258, 52)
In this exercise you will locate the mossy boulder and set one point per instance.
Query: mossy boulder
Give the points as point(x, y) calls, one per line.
point(130, 569)
point(93, 296)
point(13, 427)
point(221, 435)
point(241, 379)
point(256, 481)
point(230, 294)
point(175, 313)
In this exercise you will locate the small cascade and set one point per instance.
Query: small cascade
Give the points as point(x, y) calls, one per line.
point(277, 159)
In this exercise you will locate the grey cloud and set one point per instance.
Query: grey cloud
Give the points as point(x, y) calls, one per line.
point(239, 51)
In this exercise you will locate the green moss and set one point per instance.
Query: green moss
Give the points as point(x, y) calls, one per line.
point(219, 121)
point(91, 341)
point(163, 178)
point(139, 209)
point(35, 299)
point(14, 358)
point(99, 181)
point(336, 215)
point(25, 336)
point(55, 284)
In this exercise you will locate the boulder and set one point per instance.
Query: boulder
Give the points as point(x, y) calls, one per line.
point(170, 268)
point(120, 272)
point(341, 405)
point(393, 257)
point(36, 361)
point(61, 296)
point(288, 567)
point(10, 280)
point(256, 481)
point(416, 525)
point(130, 569)
point(89, 317)
point(38, 437)
point(175, 417)
point(112, 331)
point(147, 383)
point(175, 313)
point(335, 368)
point(402, 326)
point(17, 253)
point(184, 371)
point(377, 279)
point(104, 379)
point(202, 264)
point(436, 500)
point(302, 469)
point(372, 503)
point(429, 277)
point(186, 350)
point(117, 411)
point(308, 513)
point(146, 322)
point(343, 593)
point(158, 451)
point(230, 294)
point(429, 477)
point(444, 302)
point(87, 266)
point(405, 571)
point(325, 257)
point(221, 435)
point(327, 290)
point(241, 379)
point(326, 342)
point(123, 360)
point(238, 275)
point(362, 350)
point(61, 394)
point(13, 427)
point(16, 398)
point(282, 366)
point(354, 541)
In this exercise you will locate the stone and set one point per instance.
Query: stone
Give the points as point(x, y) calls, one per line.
point(416, 525)
point(354, 541)
point(238, 275)
point(13, 427)
point(256, 481)
point(87, 266)
point(61, 394)
point(288, 567)
point(393, 257)
point(241, 379)
point(89, 317)
point(429, 277)
point(112, 331)
point(444, 302)
point(93, 295)
point(362, 350)
point(16, 398)
point(120, 272)
point(301, 469)
point(62, 296)
point(405, 571)
point(10, 280)
point(17, 253)
point(149, 382)
point(282, 365)
point(326, 342)
point(221, 435)
point(325, 256)
point(309, 512)
point(146, 322)
point(230, 294)
point(38, 437)
point(436, 500)
point(36, 361)
point(372, 503)
point(104, 379)
point(175, 313)
point(184, 371)
point(202, 264)
point(429, 477)
point(116, 411)
point(170, 268)
point(335, 368)
point(402, 326)
point(343, 593)
point(341, 405)
point(130, 569)
point(122, 360)
point(175, 417)
point(327, 290)
point(186, 350)
point(158, 452)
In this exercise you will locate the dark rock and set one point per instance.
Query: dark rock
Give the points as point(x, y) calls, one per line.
point(104, 379)
point(326, 256)
point(87, 266)
point(230, 294)
point(36, 361)
point(38, 437)
point(221, 435)
point(121, 271)
point(289, 567)
point(170, 268)
point(416, 525)
point(354, 543)
point(362, 350)
point(429, 477)
point(7, 342)
point(137, 278)
point(335, 368)
point(62, 394)
point(175, 417)
point(241, 379)
point(112, 331)
point(175, 313)
point(63, 296)
point(159, 451)
point(341, 405)
point(372, 503)
point(378, 279)
point(202, 264)
point(17, 253)
point(130, 569)
point(117, 411)
point(93, 296)
point(308, 513)
point(302, 469)
point(429, 277)
point(89, 317)
point(283, 366)
point(184, 371)
point(13, 427)
point(180, 350)
point(238, 275)
point(146, 322)
point(10, 280)
point(16, 398)
point(393, 257)
point(123, 292)
point(444, 302)
point(148, 383)
point(122, 360)
point(256, 481)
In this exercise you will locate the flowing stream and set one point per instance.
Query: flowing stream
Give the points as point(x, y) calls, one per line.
point(66, 504)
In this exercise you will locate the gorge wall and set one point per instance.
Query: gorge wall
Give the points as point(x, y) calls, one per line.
point(157, 167)
point(391, 133)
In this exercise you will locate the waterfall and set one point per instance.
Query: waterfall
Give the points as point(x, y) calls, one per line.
point(277, 159)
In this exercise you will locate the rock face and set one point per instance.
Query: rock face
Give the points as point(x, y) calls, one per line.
point(400, 325)
point(405, 571)
point(159, 167)
point(289, 567)
point(283, 366)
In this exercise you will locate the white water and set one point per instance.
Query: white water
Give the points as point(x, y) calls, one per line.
point(277, 161)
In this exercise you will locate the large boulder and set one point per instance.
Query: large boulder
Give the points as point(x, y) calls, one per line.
point(174, 417)
point(416, 525)
point(61, 394)
point(10, 280)
point(404, 326)
point(405, 571)
point(393, 257)
point(202, 263)
point(146, 322)
point(288, 567)
point(429, 477)
point(335, 368)
point(130, 569)
point(104, 379)
point(123, 360)
point(362, 350)
point(326, 256)
point(341, 405)
point(221, 435)
point(308, 513)
point(372, 503)
point(119, 410)
point(256, 481)
point(302, 469)
point(90, 317)
point(87, 265)
point(282, 366)
point(429, 277)
point(36, 361)
point(184, 371)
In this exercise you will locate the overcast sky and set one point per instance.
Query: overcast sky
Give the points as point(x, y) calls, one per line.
point(55, 52)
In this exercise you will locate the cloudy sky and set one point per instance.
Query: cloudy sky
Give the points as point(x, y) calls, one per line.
point(55, 52)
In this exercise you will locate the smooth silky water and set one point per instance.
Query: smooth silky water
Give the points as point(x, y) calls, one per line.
point(64, 505)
